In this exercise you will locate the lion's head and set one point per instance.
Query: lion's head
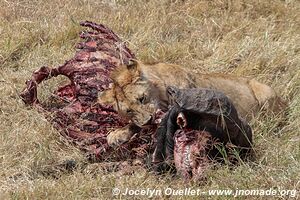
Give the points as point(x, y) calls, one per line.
point(132, 95)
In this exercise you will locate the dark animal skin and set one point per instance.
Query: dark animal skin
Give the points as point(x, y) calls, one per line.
point(195, 112)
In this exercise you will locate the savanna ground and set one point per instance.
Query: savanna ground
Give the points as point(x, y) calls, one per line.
point(253, 38)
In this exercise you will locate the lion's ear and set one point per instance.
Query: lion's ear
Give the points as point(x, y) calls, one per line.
point(124, 74)
point(132, 65)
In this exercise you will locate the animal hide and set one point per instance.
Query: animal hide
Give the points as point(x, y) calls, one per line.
point(198, 121)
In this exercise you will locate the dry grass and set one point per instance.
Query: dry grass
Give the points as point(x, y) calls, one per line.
point(246, 37)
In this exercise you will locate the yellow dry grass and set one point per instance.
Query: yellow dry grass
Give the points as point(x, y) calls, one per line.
point(245, 37)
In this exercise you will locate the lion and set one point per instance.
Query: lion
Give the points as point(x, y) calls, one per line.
point(139, 89)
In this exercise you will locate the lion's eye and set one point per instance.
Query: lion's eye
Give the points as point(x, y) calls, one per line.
point(142, 99)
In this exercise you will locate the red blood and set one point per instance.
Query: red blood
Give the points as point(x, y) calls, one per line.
point(74, 110)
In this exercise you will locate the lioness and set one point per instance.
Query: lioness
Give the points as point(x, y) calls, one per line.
point(139, 89)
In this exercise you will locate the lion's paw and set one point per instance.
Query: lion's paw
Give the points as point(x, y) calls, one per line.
point(118, 136)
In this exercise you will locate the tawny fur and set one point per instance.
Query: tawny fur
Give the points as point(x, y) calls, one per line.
point(149, 82)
